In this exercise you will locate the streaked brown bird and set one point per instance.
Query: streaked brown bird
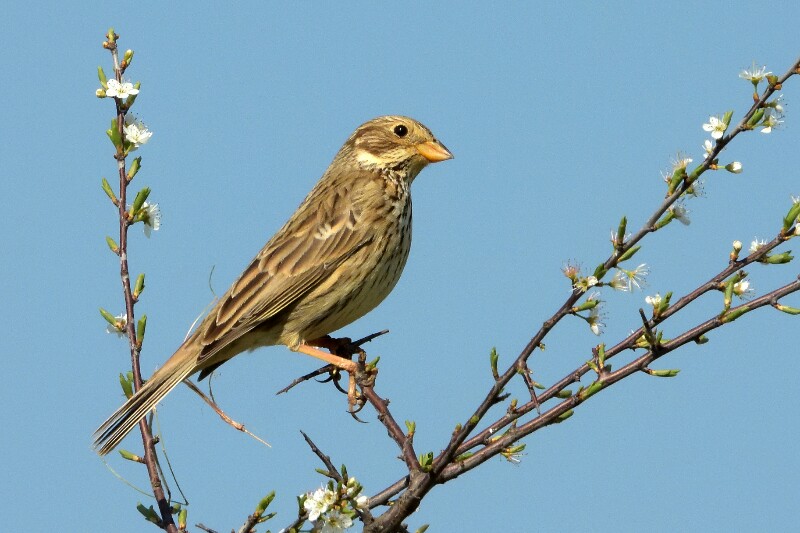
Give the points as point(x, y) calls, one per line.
point(339, 255)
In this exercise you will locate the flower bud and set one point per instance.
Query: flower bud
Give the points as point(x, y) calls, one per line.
point(735, 167)
point(130, 456)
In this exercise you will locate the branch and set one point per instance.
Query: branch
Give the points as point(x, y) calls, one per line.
point(446, 466)
point(150, 458)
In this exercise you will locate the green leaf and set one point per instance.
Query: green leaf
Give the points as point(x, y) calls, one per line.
point(112, 244)
point(733, 315)
point(756, 118)
point(600, 271)
point(139, 287)
point(669, 373)
point(130, 456)
point(101, 75)
point(113, 134)
point(623, 226)
point(141, 326)
point(779, 259)
point(591, 390)
point(264, 503)
point(109, 192)
point(149, 513)
point(109, 317)
point(726, 118)
point(126, 382)
point(630, 253)
point(141, 197)
point(493, 358)
point(566, 414)
point(136, 164)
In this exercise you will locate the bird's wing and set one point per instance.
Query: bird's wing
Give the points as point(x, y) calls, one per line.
point(320, 236)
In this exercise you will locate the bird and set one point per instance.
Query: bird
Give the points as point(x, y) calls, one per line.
point(336, 258)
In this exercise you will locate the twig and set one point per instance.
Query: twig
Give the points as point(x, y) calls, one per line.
point(148, 442)
point(403, 441)
point(318, 372)
point(228, 420)
point(551, 416)
point(326, 460)
point(444, 468)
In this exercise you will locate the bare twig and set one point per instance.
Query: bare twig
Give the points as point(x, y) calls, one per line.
point(326, 460)
point(228, 420)
point(327, 369)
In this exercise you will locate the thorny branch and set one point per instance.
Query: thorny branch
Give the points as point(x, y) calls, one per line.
point(150, 458)
point(455, 460)
point(469, 447)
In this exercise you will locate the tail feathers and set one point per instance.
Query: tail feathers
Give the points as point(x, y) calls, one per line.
point(179, 367)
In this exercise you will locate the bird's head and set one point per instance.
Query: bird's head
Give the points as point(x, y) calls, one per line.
point(395, 143)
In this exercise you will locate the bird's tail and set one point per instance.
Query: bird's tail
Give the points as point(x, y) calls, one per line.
point(181, 365)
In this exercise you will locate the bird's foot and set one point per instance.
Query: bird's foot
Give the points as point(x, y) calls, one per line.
point(341, 350)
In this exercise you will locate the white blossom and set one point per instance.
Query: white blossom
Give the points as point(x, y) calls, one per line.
point(680, 162)
point(776, 104)
point(631, 278)
point(655, 301)
point(151, 218)
point(362, 502)
point(120, 90)
point(742, 288)
point(316, 504)
point(619, 282)
point(118, 329)
point(735, 167)
point(769, 123)
point(716, 126)
point(615, 238)
point(584, 284)
point(335, 522)
point(594, 321)
point(136, 132)
point(708, 147)
point(681, 214)
point(754, 74)
point(756, 245)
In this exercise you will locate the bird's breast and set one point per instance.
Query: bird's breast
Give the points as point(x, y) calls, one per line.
point(361, 282)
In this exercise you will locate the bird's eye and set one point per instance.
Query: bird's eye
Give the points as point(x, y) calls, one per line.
point(400, 130)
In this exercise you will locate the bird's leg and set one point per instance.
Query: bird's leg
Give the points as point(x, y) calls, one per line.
point(310, 348)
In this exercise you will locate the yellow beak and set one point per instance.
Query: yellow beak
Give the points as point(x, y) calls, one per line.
point(434, 151)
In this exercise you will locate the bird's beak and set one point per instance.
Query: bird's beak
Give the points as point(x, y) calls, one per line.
point(434, 151)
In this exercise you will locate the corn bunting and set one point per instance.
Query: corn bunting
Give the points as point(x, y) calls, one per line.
point(338, 256)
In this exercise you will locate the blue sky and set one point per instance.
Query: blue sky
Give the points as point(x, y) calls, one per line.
point(560, 119)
